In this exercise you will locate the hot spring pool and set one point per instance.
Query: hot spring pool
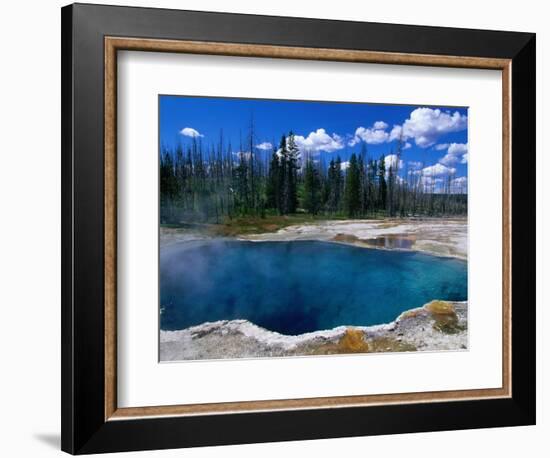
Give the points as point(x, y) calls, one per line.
point(299, 286)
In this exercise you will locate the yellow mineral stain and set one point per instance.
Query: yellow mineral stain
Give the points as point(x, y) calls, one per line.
point(440, 308)
point(353, 341)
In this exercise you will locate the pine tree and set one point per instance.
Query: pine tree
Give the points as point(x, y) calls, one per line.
point(252, 167)
point(273, 192)
point(338, 183)
point(353, 188)
point(331, 199)
point(391, 190)
point(212, 183)
point(324, 184)
point(362, 180)
point(292, 174)
point(168, 187)
point(312, 188)
point(382, 186)
point(240, 178)
point(283, 198)
point(371, 185)
point(180, 176)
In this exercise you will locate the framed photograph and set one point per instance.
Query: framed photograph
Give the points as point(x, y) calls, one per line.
point(282, 228)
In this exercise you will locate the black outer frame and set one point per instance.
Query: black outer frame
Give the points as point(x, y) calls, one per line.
point(84, 429)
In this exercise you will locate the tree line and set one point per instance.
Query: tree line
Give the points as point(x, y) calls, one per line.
point(210, 184)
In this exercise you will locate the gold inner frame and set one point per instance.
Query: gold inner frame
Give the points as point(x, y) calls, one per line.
point(114, 44)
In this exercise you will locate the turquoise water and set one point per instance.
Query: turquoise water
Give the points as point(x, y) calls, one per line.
point(296, 287)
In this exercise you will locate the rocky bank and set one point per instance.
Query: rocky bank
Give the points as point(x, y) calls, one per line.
point(437, 326)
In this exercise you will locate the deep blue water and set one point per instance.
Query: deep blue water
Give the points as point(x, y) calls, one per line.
point(297, 287)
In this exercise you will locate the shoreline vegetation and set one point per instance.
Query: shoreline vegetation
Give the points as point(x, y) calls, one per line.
point(213, 184)
point(437, 326)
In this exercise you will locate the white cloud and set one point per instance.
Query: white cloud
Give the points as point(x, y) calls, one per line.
point(426, 126)
point(455, 153)
point(435, 185)
point(344, 165)
point(437, 170)
point(395, 133)
point(242, 154)
point(459, 185)
point(374, 135)
point(415, 165)
point(460, 181)
point(380, 125)
point(428, 181)
point(391, 161)
point(319, 141)
point(464, 159)
point(436, 179)
point(190, 132)
point(458, 148)
point(265, 146)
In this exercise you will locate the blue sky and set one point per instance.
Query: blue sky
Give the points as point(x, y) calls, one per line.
point(435, 138)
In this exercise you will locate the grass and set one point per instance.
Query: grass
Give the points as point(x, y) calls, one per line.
point(258, 225)
point(270, 222)
point(245, 225)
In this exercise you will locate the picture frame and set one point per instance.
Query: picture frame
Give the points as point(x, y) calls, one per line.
point(92, 35)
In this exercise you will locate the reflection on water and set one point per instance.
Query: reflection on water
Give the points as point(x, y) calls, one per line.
point(391, 242)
